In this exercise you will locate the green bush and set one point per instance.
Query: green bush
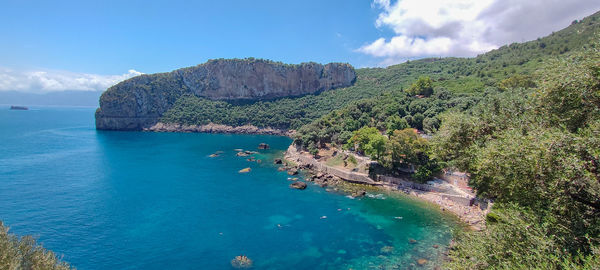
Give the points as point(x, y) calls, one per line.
point(25, 253)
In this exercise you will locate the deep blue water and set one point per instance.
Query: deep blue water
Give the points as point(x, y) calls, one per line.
point(138, 200)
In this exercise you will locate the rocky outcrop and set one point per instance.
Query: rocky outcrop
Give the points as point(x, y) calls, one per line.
point(139, 102)
point(298, 185)
point(216, 128)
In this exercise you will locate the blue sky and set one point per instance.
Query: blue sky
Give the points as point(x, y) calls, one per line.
point(90, 45)
point(108, 37)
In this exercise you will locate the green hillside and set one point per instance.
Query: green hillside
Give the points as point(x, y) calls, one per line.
point(523, 120)
point(457, 75)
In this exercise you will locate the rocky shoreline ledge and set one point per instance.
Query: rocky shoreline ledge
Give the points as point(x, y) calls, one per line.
point(218, 128)
point(468, 209)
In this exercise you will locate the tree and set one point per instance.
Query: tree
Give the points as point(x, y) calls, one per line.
point(423, 86)
point(25, 253)
point(408, 148)
point(394, 122)
point(369, 141)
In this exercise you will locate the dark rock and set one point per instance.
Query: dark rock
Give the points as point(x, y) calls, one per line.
point(359, 193)
point(278, 161)
point(298, 185)
point(263, 146)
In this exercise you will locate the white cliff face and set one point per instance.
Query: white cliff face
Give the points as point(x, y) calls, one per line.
point(139, 102)
point(233, 79)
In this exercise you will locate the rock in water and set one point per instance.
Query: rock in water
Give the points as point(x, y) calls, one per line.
point(278, 161)
point(298, 185)
point(139, 102)
point(263, 146)
point(241, 262)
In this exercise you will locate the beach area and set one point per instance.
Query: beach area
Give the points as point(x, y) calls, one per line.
point(461, 202)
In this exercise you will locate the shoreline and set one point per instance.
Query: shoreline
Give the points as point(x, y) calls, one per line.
point(472, 216)
point(323, 175)
point(218, 128)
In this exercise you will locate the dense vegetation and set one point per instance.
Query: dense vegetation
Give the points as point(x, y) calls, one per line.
point(536, 152)
point(530, 140)
point(25, 253)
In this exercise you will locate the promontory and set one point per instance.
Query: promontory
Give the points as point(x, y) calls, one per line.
point(139, 102)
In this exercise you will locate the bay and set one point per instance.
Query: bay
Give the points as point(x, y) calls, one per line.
point(141, 200)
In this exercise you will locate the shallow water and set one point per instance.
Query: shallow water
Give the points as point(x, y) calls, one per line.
point(138, 200)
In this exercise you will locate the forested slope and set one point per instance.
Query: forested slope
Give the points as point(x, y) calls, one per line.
point(456, 75)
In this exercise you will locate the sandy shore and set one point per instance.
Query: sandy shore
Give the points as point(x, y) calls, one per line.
point(471, 215)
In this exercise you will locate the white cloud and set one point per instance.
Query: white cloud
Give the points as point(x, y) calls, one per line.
point(431, 28)
point(41, 81)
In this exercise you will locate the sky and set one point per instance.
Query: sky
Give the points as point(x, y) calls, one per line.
point(56, 45)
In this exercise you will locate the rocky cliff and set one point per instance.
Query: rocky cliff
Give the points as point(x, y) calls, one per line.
point(139, 102)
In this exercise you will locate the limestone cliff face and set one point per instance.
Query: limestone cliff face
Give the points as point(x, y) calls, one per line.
point(139, 102)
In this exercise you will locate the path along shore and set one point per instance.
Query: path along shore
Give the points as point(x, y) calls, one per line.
point(448, 197)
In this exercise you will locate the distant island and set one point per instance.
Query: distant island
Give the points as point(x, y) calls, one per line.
point(19, 108)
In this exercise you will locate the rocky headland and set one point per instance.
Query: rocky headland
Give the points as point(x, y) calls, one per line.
point(139, 102)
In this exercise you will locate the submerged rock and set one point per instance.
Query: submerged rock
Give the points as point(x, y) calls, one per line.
point(421, 262)
point(241, 262)
point(387, 249)
point(278, 161)
point(298, 185)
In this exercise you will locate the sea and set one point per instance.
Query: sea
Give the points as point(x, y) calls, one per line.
point(143, 200)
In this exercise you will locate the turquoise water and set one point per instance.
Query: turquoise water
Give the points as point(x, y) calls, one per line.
point(137, 200)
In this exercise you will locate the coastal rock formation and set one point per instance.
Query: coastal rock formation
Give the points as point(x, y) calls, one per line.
point(216, 128)
point(139, 102)
point(298, 185)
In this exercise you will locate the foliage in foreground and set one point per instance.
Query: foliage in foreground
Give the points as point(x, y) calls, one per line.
point(514, 239)
point(537, 154)
point(25, 253)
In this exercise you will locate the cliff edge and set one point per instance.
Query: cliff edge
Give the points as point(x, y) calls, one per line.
point(139, 102)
